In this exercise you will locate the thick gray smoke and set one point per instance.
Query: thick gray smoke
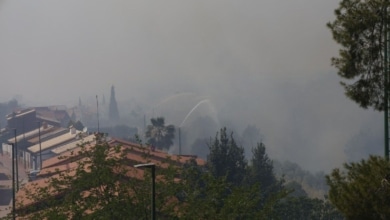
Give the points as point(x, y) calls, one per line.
point(263, 63)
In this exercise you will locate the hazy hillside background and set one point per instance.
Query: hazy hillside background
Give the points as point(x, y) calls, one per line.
point(263, 63)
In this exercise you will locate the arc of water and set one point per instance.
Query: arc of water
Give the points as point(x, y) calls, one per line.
point(192, 110)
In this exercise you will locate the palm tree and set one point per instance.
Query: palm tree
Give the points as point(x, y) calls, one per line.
point(159, 135)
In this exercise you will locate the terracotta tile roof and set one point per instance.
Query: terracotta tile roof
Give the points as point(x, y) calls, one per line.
point(22, 196)
point(66, 156)
point(49, 171)
point(68, 161)
point(156, 154)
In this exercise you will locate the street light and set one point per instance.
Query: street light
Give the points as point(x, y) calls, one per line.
point(15, 146)
point(40, 149)
point(13, 180)
point(153, 167)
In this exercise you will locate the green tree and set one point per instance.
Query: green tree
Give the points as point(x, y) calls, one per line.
point(297, 208)
point(100, 186)
point(362, 190)
point(226, 158)
point(261, 171)
point(359, 28)
point(296, 189)
point(205, 196)
point(160, 135)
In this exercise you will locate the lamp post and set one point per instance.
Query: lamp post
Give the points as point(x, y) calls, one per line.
point(386, 87)
point(152, 166)
point(40, 149)
point(13, 180)
point(16, 160)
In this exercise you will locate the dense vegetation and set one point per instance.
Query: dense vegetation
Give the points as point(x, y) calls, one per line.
point(360, 29)
point(228, 187)
point(362, 190)
point(160, 135)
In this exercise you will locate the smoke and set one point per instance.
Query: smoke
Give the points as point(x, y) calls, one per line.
point(263, 63)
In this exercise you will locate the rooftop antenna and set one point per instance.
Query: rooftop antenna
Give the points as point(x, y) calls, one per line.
point(97, 112)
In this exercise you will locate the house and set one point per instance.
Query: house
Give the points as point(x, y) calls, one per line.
point(68, 161)
point(25, 140)
point(23, 120)
point(57, 144)
point(53, 115)
point(43, 143)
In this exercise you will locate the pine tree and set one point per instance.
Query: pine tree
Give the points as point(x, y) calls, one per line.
point(261, 171)
point(362, 190)
point(360, 29)
point(227, 158)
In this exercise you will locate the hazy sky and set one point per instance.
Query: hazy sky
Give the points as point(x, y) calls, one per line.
point(265, 62)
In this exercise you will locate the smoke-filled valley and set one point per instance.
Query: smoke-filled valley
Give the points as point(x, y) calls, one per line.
point(261, 69)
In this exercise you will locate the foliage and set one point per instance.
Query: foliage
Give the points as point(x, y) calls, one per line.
point(160, 135)
point(359, 28)
point(313, 183)
point(206, 196)
point(260, 171)
point(362, 190)
point(261, 168)
point(296, 189)
point(297, 208)
point(101, 186)
point(226, 159)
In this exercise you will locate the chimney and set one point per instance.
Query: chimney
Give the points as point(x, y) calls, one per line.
point(72, 130)
point(44, 124)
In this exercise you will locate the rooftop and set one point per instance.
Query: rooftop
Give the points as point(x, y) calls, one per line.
point(74, 144)
point(54, 142)
point(20, 113)
point(69, 161)
point(30, 134)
